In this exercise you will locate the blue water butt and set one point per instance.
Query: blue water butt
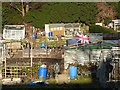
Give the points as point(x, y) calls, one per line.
point(50, 34)
point(33, 36)
point(42, 45)
point(73, 72)
point(42, 72)
point(65, 47)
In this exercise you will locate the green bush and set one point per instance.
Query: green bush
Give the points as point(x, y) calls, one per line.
point(100, 29)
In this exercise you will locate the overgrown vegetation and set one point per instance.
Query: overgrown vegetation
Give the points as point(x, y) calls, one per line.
point(34, 74)
point(58, 12)
point(51, 13)
point(99, 29)
point(116, 6)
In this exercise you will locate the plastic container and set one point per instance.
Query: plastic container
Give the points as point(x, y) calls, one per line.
point(65, 47)
point(50, 34)
point(33, 36)
point(42, 72)
point(42, 45)
point(73, 72)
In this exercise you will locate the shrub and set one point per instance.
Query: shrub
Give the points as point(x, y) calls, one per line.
point(100, 29)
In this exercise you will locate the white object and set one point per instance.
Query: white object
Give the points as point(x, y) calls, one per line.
point(100, 24)
point(15, 32)
point(17, 80)
point(44, 66)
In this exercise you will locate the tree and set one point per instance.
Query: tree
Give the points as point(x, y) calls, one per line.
point(118, 9)
point(22, 7)
point(0, 17)
point(50, 12)
point(105, 11)
point(40, 13)
point(10, 15)
point(116, 6)
point(107, 20)
point(62, 13)
point(14, 12)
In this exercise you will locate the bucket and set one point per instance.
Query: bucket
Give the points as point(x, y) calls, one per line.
point(50, 34)
point(33, 36)
point(42, 72)
point(42, 45)
point(73, 72)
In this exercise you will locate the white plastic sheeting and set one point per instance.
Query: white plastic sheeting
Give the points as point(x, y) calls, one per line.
point(75, 56)
point(84, 56)
point(9, 81)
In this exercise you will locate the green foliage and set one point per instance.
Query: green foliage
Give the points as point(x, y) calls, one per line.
point(116, 6)
point(107, 20)
point(118, 9)
point(10, 15)
point(62, 12)
point(99, 29)
point(52, 44)
point(36, 67)
point(51, 12)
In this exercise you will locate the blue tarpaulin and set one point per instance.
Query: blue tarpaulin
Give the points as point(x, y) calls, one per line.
point(33, 83)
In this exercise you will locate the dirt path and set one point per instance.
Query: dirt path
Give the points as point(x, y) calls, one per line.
point(62, 79)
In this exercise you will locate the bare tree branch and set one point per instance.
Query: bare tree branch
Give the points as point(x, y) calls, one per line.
point(15, 7)
point(23, 9)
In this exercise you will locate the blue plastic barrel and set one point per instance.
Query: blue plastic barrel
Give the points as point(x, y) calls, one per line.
point(42, 45)
point(50, 34)
point(42, 72)
point(73, 72)
point(33, 36)
point(65, 47)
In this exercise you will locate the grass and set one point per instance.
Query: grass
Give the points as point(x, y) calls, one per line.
point(78, 80)
point(51, 81)
point(81, 80)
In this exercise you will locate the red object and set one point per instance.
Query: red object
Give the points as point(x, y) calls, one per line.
point(83, 37)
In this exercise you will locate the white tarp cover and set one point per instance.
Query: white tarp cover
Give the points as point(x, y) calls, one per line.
point(83, 56)
point(75, 56)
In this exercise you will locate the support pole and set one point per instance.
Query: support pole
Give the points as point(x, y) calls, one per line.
point(31, 55)
point(2, 54)
point(1, 60)
point(5, 58)
point(31, 59)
